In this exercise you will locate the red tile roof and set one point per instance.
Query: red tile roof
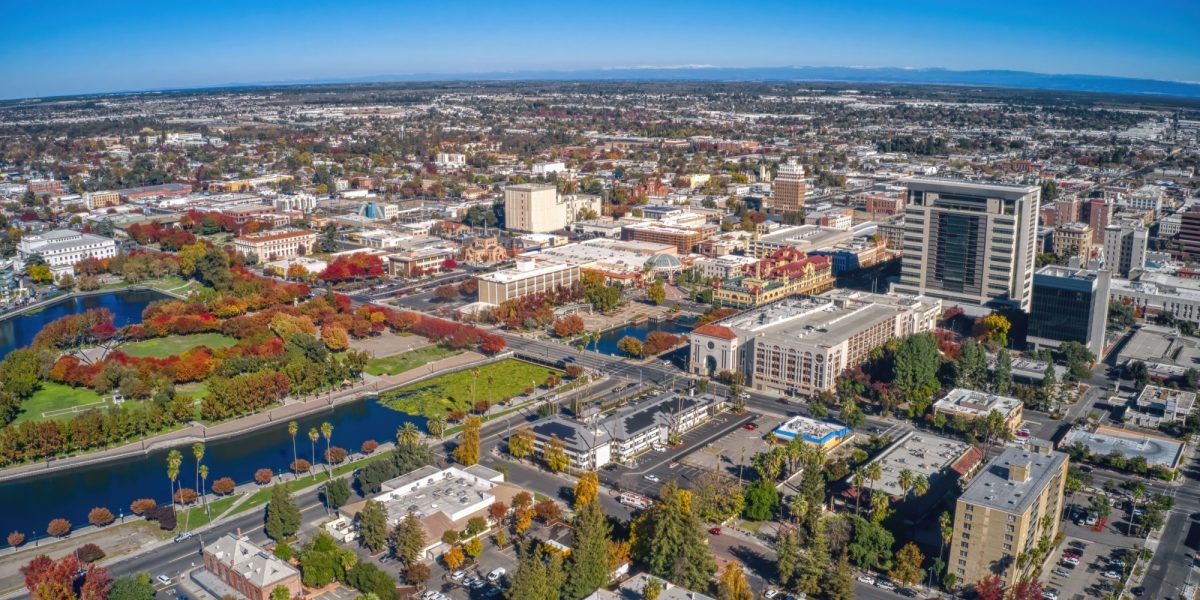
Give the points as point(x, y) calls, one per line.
point(716, 331)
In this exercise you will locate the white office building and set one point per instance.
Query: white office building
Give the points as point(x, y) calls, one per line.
point(62, 249)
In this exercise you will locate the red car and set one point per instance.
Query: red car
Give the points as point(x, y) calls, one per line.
point(715, 531)
point(1072, 554)
point(749, 426)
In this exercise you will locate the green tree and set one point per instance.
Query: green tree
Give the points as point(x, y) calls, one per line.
point(716, 497)
point(408, 539)
point(19, 373)
point(870, 545)
point(814, 562)
point(530, 580)
point(283, 516)
point(915, 367)
point(1002, 379)
point(657, 292)
point(588, 568)
point(839, 582)
point(280, 593)
point(337, 492)
point(761, 500)
point(787, 553)
point(174, 461)
point(373, 526)
point(970, 370)
point(670, 540)
point(293, 428)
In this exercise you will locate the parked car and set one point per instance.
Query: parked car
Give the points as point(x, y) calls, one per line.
point(183, 536)
point(1111, 575)
point(1072, 554)
point(651, 477)
point(715, 531)
point(1091, 520)
point(163, 579)
point(1050, 595)
point(749, 426)
point(1061, 572)
point(771, 593)
point(1068, 560)
point(496, 574)
point(884, 584)
point(458, 575)
point(867, 579)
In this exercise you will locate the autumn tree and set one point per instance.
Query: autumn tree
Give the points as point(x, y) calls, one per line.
point(223, 486)
point(467, 451)
point(587, 489)
point(263, 476)
point(732, 584)
point(454, 558)
point(58, 527)
point(907, 566)
point(141, 505)
point(555, 455)
point(990, 587)
point(100, 516)
point(520, 443)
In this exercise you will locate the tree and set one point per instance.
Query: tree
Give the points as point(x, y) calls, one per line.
point(142, 505)
point(995, 329)
point(445, 293)
point(588, 569)
point(1002, 378)
point(907, 567)
point(408, 539)
point(174, 460)
point(555, 455)
point(630, 346)
point(1027, 588)
point(293, 428)
point(787, 553)
point(870, 545)
point(337, 492)
point(15, 538)
point(669, 539)
point(467, 451)
point(313, 436)
point(717, 497)
point(454, 558)
point(657, 292)
point(473, 548)
point(136, 586)
point(761, 500)
point(198, 454)
point(283, 516)
point(839, 583)
point(58, 527)
point(991, 587)
point(732, 584)
point(283, 551)
point(373, 527)
point(327, 433)
point(417, 573)
point(652, 589)
point(263, 476)
point(915, 367)
point(587, 489)
point(100, 516)
point(280, 593)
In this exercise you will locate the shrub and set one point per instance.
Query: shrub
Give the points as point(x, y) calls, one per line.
point(450, 536)
point(283, 551)
point(574, 370)
point(89, 553)
point(165, 515)
point(300, 465)
point(263, 476)
point(100, 516)
point(369, 446)
point(142, 505)
point(223, 486)
point(16, 538)
point(59, 527)
point(186, 496)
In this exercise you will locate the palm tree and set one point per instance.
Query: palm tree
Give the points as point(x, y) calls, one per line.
point(293, 429)
point(797, 506)
point(874, 473)
point(327, 433)
point(313, 436)
point(198, 453)
point(203, 470)
point(474, 380)
point(857, 479)
point(921, 485)
point(905, 480)
point(436, 425)
point(408, 435)
point(174, 460)
point(946, 527)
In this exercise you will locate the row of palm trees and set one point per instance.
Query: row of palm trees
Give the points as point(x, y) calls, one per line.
point(908, 481)
point(174, 462)
point(326, 431)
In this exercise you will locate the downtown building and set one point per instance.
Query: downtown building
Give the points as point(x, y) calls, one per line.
point(275, 245)
point(538, 208)
point(801, 345)
point(970, 243)
point(1125, 248)
point(1015, 501)
point(1069, 305)
point(789, 190)
point(62, 249)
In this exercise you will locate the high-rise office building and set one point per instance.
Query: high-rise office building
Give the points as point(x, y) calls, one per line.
point(1189, 233)
point(537, 208)
point(1000, 515)
point(789, 188)
point(1098, 214)
point(1069, 305)
point(1125, 248)
point(970, 243)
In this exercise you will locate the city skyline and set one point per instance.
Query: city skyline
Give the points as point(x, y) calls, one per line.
point(78, 48)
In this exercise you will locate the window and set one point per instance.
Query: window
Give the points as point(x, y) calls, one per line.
point(1007, 547)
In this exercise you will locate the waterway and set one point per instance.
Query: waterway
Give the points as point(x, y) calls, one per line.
point(33, 501)
point(126, 306)
point(608, 339)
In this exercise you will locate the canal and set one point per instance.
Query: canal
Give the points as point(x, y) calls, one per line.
point(608, 339)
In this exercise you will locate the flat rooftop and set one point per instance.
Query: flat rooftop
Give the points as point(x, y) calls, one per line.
point(979, 404)
point(445, 491)
point(811, 430)
point(922, 454)
point(518, 273)
point(957, 186)
point(1157, 450)
point(991, 487)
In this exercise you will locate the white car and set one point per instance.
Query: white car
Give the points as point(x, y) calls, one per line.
point(651, 477)
point(1070, 560)
point(429, 595)
point(163, 579)
point(770, 594)
point(458, 575)
point(496, 574)
point(884, 584)
point(1050, 595)
point(1112, 575)
point(1091, 520)
point(867, 579)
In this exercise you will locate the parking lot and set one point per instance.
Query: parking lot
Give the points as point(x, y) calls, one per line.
point(735, 449)
point(473, 583)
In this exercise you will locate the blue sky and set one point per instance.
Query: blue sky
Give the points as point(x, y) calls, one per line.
point(52, 47)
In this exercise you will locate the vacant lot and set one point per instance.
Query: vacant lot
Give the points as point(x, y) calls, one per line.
point(399, 363)
point(58, 401)
point(175, 344)
point(459, 391)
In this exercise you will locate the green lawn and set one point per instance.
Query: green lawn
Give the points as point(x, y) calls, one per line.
point(58, 397)
point(399, 363)
point(197, 516)
point(447, 393)
point(318, 476)
point(198, 390)
point(175, 344)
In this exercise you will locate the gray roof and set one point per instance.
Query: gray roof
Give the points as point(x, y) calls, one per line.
point(1007, 191)
point(250, 561)
point(992, 488)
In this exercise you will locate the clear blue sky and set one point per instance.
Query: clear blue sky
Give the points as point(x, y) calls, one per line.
point(51, 47)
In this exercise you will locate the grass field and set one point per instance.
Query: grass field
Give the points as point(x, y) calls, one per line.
point(198, 390)
point(263, 495)
point(58, 400)
point(175, 344)
point(399, 363)
point(197, 516)
point(441, 395)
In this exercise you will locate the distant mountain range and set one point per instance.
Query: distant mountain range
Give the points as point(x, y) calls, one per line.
point(998, 78)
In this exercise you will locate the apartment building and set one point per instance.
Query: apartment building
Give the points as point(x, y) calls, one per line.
point(537, 208)
point(529, 276)
point(801, 345)
point(1016, 500)
point(1125, 248)
point(970, 243)
point(789, 189)
point(235, 564)
point(103, 199)
point(277, 244)
point(62, 249)
point(1073, 239)
point(1098, 213)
